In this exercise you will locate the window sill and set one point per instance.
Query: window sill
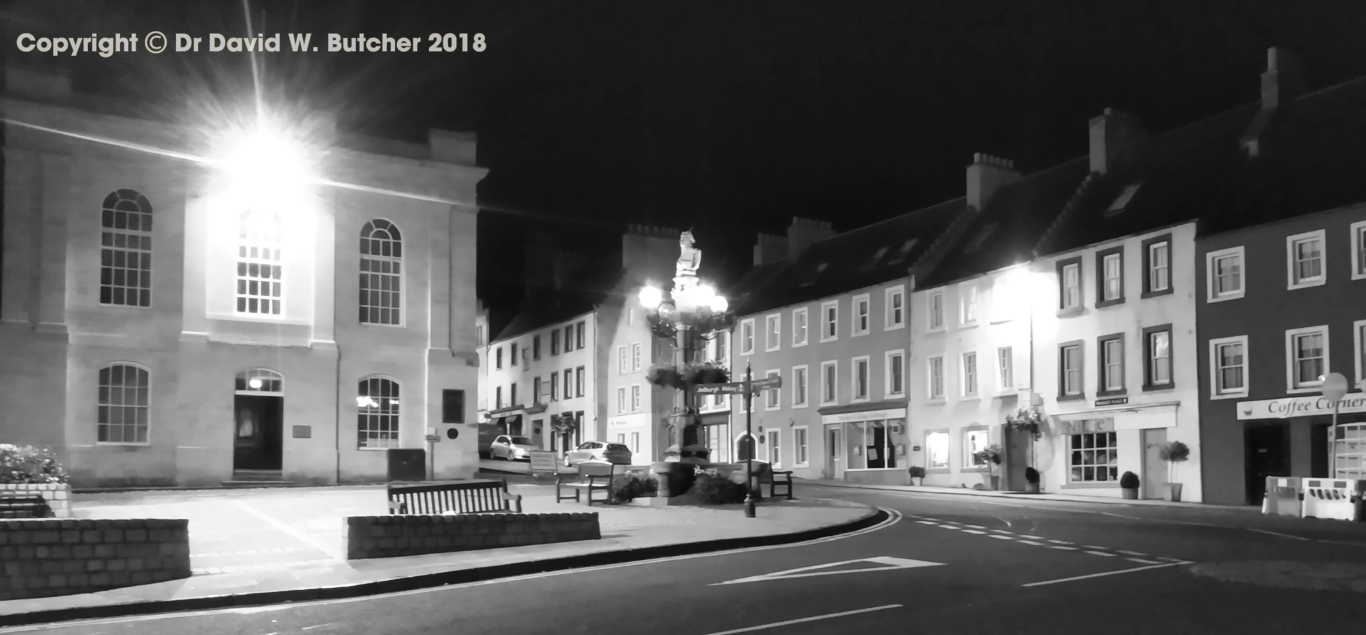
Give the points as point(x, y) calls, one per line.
point(1072, 312)
point(1081, 397)
point(974, 470)
point(972, 397)
point(938, 329)
point(967, 325)
point(1112, 393)
point(796, 406)
point(1159, 387)
point(1224, 298)
point(1154, 294)
point(894, 327)
point(936, 402)
point(829, 339)
point(859, 334)
point(1302, 390)
point(798, 344)
point(1229, 395)
point(773, 350)
point(1006, 394)
point(1306, 284)
point(1104, 485)
point(110, 444)
point(1107, 303)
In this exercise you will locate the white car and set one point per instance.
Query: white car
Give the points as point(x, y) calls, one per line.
point(510, 448)
point(598, 451)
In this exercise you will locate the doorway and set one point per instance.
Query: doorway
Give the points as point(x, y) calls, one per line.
point(834, 451)
point(258, 440)
point(1267, 454)
point(258, 407)
point(1154, 468)
point(744, 448)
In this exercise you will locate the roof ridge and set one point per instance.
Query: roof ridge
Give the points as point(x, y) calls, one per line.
point(1065, 214)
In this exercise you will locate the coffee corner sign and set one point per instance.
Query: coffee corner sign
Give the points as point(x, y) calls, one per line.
point(1308, 406)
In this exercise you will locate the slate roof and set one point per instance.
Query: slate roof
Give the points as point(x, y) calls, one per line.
point(863, 257)
point(581, 293)
point(1312, 159)
point(1006, 231)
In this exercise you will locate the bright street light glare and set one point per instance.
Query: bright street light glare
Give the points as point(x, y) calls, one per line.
point(651, 296)
point(719, 304)
point(264, 162)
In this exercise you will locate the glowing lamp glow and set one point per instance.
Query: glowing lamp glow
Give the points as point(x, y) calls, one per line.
point(719, 304)
point(366, 402)
point(254, 384)
point(651, 296)
point(264, 162)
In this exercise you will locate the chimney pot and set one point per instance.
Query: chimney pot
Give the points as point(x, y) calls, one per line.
point(987, 175)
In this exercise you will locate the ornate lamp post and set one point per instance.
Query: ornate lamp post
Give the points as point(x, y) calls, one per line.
point(686, 315)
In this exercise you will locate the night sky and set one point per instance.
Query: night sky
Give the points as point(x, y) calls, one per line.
point(730, 117)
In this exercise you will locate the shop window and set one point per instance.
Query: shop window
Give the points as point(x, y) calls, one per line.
point(974, 441)
point(937, 450)
point(1094, 457)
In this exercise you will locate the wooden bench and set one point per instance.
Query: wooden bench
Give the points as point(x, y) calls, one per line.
point(471, 497)
point(23, 506)
point(780, 478)
point(592, 477)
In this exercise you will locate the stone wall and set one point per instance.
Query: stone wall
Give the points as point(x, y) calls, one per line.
point(43, 558)
point(58, 495)
point(410, 535)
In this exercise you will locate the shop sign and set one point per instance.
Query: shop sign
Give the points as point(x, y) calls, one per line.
point(1113, 401)
point(1087, 426)
point(1308, 406)
point(867, 415)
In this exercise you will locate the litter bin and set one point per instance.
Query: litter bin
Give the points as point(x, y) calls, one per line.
point(1283, 497)
point(1327, 498)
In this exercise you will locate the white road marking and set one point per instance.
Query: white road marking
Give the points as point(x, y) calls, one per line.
point(1098, 575)
point(1000, 531)
point(1031, 542)
point(1060, 542)
point(948, 526)
point(975, 526)
point(1101, 553)
point(330, 550)
point(926, 522)
point(1142, 561)
point(1002, 537)
point(309, 628)
point(1272, 533)
point(1130, 553)
point(1061, 547)
point(761, 627)
point(891, 563)
point(1093, 547)
point(973, 531)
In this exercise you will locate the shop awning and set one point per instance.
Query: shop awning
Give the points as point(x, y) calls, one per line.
point(1128, 417)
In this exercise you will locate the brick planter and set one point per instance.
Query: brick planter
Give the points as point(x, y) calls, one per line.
point(58, 495)
point(41, 558)
point(410, 535)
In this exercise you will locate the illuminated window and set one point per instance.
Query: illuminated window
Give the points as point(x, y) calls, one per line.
point(937, 450)
point(1094, 457)
point(381, 256)
point(123, 405)
point(974, 441)
point(126, 250)
point(259, 277)
point(378, 416)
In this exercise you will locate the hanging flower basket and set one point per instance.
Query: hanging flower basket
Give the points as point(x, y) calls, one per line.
point(662, 327)
point(1026, 420)
point(688, 376)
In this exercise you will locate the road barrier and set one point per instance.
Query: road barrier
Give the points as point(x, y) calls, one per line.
point(1327, 498)
point(1284, 497)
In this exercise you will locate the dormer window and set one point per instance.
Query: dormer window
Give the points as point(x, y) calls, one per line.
point(1122, 200)
point(905, 250)
point(814, 274)
point(871, 263)
point(980, 238)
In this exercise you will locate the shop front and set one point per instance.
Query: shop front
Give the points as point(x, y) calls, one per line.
point(565, 431)
point(1093, 449)
point(1294, 436)
point(865, 446)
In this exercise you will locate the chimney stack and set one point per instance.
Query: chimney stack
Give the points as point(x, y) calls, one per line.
point(986, 176)
point(805, 232)
point(1111, 134)
point(769, 249)
point(1281, 83)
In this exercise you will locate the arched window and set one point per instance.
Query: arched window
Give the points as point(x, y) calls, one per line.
point(260, 381)
point(122, 404)
point(259, 276)
point(126, 250)
point(381, 254)
point(377, 421)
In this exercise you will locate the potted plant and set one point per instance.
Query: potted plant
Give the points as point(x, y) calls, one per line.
point(1129, 484)
point(991, 455)
point(1173, 452)
point(917, 475)
point(1031, 481)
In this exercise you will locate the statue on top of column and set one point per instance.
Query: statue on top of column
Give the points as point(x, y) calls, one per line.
point(689, 258)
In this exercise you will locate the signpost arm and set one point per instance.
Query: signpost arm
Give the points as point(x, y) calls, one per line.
point(1333, 442)
point(749, 438)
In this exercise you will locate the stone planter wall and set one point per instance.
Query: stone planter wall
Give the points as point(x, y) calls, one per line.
point(58, 495)
point(411, 535)
point(41, 558)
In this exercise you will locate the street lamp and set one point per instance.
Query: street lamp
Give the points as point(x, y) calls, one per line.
point(685, 314)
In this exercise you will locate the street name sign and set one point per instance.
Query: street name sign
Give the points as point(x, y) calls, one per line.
point(434, 438)
point(775, 381)
point(888, 564)
point(733, 388)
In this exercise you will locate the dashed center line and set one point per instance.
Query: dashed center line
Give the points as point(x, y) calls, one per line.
point(1130, 553)
point(974, 531)
point(1062, 547)
point(1031, 542)
point(1101, 553)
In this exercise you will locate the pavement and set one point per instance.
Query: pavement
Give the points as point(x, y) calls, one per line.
point(942, 563)
point(263, 546)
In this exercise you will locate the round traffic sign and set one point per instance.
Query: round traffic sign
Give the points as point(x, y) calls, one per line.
point(1334, 386)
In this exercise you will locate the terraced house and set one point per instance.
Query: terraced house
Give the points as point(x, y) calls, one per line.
point(570, 365)
point(829, 313)
point(182, 327)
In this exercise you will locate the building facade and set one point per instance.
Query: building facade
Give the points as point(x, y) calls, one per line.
point(1280, 306)
point(832, 322)
point(176, 329)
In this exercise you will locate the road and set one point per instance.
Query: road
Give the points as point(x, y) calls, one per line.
point(950, 564)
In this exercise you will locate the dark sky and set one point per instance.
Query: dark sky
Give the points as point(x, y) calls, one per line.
point(732, 117)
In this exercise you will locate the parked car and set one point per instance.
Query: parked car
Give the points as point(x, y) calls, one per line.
point(510, 448)
point(598, 451)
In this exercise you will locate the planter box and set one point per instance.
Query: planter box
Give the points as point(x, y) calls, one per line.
point(57, 495)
